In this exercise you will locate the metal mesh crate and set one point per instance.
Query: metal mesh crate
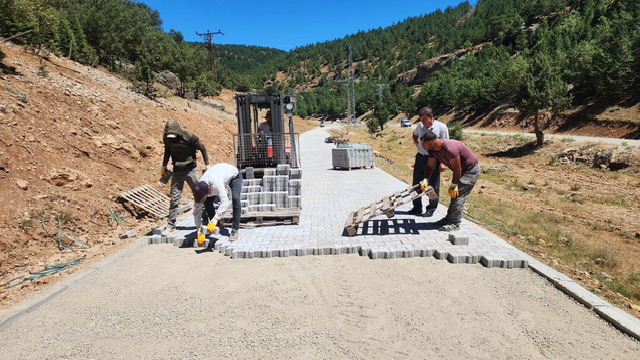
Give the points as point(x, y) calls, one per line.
point(266, 150)
point(350, 156)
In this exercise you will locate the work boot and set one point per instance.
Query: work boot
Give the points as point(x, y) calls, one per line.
point(441, 222)
point(234, 235)
point(429, 213)
point(450, 227)
point(168, 230)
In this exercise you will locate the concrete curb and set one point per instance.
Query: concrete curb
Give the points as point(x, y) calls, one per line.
point(614, 315)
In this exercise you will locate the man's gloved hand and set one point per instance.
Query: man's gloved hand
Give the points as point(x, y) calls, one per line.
point(211, 227)
point(163, 172)
point(424, 184)
point(453, 191)
point(201, 238)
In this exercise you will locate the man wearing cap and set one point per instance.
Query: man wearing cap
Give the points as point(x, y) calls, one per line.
point(466, 171)
point(213, 183)
point(181, 146)
point(427, 123)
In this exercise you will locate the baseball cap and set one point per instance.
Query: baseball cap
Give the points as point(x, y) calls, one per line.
point(200, 191)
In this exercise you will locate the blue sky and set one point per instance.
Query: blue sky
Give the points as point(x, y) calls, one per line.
point(286, 25)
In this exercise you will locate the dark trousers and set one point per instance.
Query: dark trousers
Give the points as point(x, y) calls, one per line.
point(210, 210)
point(419, 168)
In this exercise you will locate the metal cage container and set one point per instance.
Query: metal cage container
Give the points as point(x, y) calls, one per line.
point(266, 150)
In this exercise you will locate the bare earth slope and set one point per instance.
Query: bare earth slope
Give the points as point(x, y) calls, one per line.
point(70, 142)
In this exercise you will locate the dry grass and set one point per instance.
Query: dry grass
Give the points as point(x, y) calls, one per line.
point(579, 220)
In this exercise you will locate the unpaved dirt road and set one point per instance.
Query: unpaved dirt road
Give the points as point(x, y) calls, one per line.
point(614, 141)
point(149, 306)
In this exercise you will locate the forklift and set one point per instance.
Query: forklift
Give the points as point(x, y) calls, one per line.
point(269, 160)
point(261, 150)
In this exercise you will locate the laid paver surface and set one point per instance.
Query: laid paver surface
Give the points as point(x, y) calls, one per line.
point(329, 195)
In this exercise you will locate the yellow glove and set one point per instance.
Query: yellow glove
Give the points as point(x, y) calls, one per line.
point(453, 191)
point(164, 172)
point(211, 227)
point(424, 185)
point(201, 238)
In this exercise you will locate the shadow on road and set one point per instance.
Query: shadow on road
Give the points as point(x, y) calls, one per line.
point(393, 227)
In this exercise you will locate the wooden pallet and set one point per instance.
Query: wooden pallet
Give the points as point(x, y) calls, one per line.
point(386, 206)
point(148, 199)
point(289, 216)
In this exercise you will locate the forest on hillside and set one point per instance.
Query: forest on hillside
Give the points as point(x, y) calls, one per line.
point(529, 54)
point(533, 55)
point(127, 38)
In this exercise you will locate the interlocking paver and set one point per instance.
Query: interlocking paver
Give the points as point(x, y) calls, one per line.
point(329, 196)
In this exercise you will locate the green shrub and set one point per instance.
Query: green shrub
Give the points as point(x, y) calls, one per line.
point(372, 125)
point(455, 130)
point(22, 96)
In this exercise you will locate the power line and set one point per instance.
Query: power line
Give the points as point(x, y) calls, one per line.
point(208, 38)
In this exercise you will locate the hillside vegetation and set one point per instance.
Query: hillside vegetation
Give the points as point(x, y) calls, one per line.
point(543, 59)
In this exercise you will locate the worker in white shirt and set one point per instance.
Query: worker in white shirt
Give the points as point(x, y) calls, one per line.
point(214, 183)
point(427, 123)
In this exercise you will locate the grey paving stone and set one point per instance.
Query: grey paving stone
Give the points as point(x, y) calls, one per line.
point(178, 241)
point(440, 254)
point(492, 261)
point(458, 239)
point(462, 258)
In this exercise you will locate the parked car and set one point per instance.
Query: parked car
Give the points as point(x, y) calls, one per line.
point(405, 123)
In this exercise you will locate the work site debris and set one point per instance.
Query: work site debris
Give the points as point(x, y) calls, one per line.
point(336, 140)
point(128, 234)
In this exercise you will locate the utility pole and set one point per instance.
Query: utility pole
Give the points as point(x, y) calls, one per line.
point(380, 90)
point(351, 94)
point(208, 38)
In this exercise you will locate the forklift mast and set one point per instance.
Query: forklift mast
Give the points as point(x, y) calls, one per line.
point(265, 150)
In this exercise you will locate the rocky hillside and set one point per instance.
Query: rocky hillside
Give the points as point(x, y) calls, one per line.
point(72, 138)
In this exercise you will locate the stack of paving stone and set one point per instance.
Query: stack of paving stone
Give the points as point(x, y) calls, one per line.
point(349, 156)
point(279, 188)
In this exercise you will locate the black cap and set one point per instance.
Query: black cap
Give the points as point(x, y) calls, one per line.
point(200, 191)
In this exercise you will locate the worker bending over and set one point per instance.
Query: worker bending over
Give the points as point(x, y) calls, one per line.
point(214, 182)
point(466, 171)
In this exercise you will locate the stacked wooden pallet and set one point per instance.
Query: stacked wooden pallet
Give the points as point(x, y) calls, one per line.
point(288, 216)
point(148, 199)
point(386, 205)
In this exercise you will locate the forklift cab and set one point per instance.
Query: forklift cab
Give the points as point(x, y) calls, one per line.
point(254, 145)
